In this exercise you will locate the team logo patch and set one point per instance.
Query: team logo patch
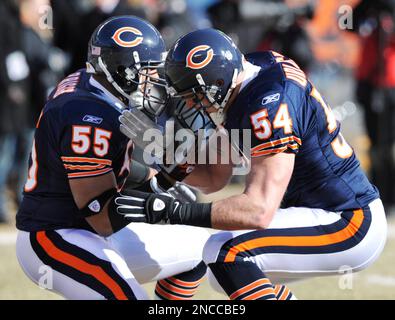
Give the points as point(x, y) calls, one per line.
point(198, 52)
point(272, 98)
point(94, 206)
point(137, 39)
point(158, 205)
point(92, 119)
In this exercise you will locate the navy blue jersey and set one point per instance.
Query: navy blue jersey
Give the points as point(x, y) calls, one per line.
point(286, 113)
point(77, 136)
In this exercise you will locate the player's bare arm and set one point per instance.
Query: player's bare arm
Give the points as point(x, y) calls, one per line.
point(253, 209)
point(256, 206)
point(84, 190)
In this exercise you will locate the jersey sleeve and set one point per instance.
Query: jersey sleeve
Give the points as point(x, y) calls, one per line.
point(89, 143)
point(274, 124)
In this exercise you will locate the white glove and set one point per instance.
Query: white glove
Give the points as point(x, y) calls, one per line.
point(180, 191)
point(134, 124)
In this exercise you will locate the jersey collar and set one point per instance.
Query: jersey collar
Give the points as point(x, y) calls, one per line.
point(115, 101)
point(251, 71)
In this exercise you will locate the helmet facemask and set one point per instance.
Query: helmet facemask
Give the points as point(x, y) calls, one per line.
point(142, 84)
point(194, 118)
point(151, 93)
point(204, 97)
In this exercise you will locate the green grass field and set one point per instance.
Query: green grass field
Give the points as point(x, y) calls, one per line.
point(376, 282)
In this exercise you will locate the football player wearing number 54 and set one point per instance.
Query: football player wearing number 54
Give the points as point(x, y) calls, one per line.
point(307, 209)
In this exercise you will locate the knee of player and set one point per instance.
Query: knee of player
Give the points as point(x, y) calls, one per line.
point(201, 235)
point(216, 244)
point(198, 237)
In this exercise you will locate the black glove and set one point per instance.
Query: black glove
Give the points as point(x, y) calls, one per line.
point(137, 206)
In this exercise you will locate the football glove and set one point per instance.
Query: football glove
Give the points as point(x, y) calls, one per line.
point(137, 206)
point(178, 191)
point(182, 192)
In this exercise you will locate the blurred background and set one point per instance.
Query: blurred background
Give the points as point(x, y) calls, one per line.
point(346, 47)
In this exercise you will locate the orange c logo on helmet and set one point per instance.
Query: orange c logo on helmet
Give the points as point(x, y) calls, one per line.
point(128, 44)
point(198, 65)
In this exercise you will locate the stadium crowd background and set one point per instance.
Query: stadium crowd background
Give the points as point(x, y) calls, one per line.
point(347, 47)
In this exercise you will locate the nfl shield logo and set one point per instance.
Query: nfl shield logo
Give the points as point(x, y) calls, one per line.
point(94, 206)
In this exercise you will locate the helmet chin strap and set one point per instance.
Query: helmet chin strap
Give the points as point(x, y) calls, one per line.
point(111, 80)
point(138, 95)
point(136, 98)
point(231, 88)
point(211, 93)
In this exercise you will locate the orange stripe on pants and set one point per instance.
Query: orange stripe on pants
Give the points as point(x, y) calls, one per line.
point(96, 271)
point(300, 241)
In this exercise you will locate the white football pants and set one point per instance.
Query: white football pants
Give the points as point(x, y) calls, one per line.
point(79, 264)
point(302, 243)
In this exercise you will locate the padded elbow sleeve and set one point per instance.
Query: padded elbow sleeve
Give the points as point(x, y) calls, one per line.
point(95, 205)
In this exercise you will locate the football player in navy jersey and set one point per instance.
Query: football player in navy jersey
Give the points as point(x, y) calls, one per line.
point(79, 163)
point(307, 208)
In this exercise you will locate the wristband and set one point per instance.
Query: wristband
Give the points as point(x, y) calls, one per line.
point(193, 214)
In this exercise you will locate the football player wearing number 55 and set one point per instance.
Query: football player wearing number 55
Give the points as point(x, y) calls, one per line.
point(307, 209)
point(80, 161)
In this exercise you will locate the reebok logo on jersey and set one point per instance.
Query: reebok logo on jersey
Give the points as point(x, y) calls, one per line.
point(158, 205)
point(94, 206)
point(92, 119)
point(271, 98)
